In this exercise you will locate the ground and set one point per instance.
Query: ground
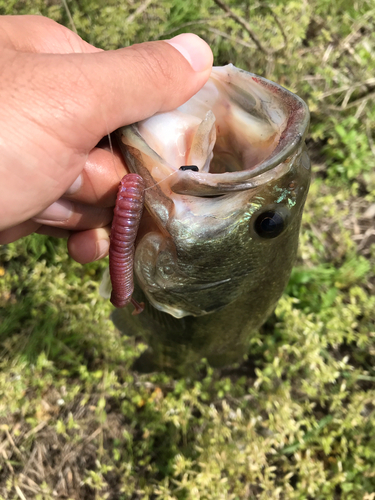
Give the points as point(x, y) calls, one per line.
point(295, 419)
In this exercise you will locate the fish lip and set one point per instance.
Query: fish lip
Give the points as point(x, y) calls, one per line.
point(215, 185)
point(296, 128)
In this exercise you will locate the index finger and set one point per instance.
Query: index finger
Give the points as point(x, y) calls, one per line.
point(99, 180)
point(40, 34)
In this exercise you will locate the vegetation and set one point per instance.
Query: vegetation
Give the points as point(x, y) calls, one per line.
point(294, 420)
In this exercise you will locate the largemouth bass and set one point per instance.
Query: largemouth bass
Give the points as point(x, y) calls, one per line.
point(226, 177)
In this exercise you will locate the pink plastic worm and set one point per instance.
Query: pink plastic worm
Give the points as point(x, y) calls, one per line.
point(125, 224)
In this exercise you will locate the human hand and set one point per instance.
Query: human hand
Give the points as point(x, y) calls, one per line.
point(60, 96)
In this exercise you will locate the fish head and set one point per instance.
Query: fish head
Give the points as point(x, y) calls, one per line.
point(226, 177)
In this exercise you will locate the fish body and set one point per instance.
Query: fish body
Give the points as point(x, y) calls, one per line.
point(216, 249)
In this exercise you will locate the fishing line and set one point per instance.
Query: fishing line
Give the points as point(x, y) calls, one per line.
point(110, 144)
point(165, 178)
point(113, 155)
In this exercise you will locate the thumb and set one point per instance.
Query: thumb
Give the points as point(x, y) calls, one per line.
point(58, 106)
point(83, 97)
point(125, 86)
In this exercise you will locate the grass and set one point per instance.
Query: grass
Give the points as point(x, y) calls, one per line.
point(295, 419)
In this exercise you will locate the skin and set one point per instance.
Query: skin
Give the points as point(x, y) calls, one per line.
point(60, 96)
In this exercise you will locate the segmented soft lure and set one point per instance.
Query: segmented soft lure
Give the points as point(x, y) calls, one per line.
point(126, 220)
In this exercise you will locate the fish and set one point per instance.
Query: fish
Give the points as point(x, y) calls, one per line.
point(226, 177)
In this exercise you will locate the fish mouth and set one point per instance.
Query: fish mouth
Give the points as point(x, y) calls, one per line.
point(257, 127)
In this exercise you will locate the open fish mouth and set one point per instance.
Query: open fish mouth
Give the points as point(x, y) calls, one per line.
point(235, 129)
point(232, 156)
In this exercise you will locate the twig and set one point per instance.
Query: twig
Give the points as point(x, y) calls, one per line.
point(19, 493)
point(280, 26)
point(34, 490)
point(231, 38)
point(191, 23)
point(67, 10)
point(246, 26)
point(138, 11)
point(346, 98)
point(211, 30)
point(370, 81)
point(6, 461)
point(355, 27)
point(84, 442)
point(360, 109)
point(311, 78)
point(4, 445)
point(327, 53)
point(30, 461)
point(34, 487)
point(369, 138)
point(35, 430)
point(13, 445)
point(93, 436)
point(352, 104)
point(309, 50)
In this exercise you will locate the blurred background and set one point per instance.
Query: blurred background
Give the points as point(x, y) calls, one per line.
point(295, 419)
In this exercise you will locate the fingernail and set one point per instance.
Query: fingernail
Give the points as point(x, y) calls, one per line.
point(194, 49)
point(102, 249)
point(59, 211)
point(75, 186)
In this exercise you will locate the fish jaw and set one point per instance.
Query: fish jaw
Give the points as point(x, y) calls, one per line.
point(203, 252)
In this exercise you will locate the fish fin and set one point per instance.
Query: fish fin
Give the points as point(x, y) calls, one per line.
point(203, 143)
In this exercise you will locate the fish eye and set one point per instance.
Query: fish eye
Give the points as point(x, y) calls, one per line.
point(270, 224)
